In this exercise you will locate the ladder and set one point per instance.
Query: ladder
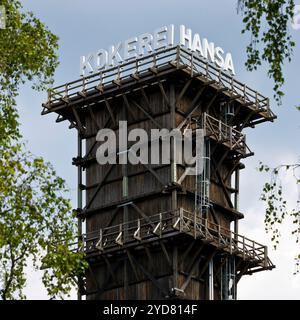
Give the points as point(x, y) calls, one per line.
point(202, 181)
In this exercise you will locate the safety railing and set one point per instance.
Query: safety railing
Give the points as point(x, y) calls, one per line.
point(225, 134)
point(180, 221)
point(135, 70)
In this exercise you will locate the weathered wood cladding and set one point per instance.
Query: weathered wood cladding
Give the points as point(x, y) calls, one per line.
point(130, 278)
point(142, 182)
point(135, 278)
point(101, 219)
point(136, 284)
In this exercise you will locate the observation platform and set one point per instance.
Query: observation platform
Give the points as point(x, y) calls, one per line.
point(170, 224)
point(152, 70)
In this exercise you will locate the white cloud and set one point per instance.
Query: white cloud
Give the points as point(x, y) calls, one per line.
point(280, 283)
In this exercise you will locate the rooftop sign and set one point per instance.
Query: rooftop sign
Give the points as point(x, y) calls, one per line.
point(148, 43)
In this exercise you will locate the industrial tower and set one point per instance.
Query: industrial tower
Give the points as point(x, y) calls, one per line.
point(149, 231)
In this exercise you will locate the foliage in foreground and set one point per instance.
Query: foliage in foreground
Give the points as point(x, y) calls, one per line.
point(271, 42)
point(36, 221)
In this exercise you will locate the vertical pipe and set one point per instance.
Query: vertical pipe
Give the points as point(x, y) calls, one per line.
point(175, 268)
point(172, 151)
point(125, 209)
point(207, 203)
point(222, 283)
point(236, 222)
point(125, 231)
point(174, 177)
point(211, 279)
point(236, 198)
point(234, 294)
point(79, 198)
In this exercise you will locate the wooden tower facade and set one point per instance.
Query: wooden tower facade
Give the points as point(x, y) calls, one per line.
point(150, 232)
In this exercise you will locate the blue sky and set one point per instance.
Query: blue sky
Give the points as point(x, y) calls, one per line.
point(85, 26)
